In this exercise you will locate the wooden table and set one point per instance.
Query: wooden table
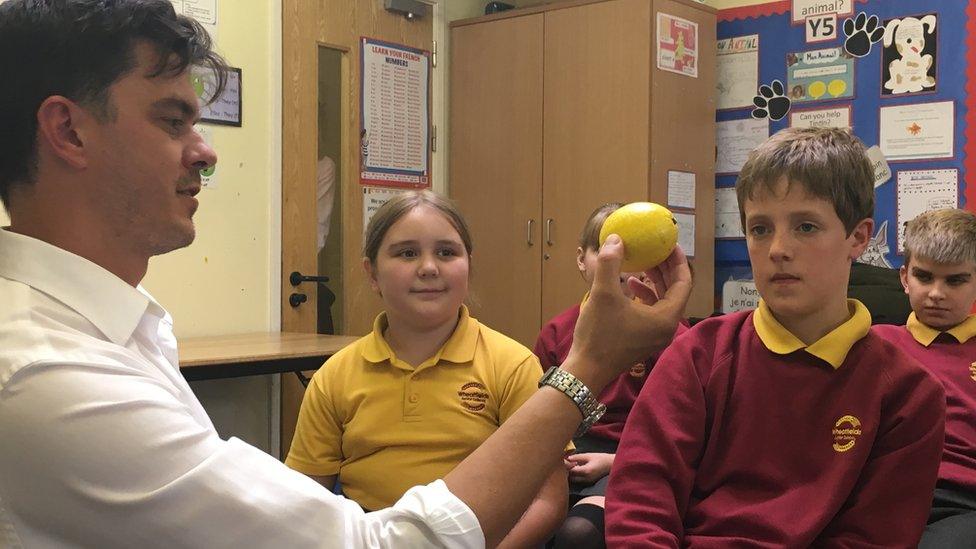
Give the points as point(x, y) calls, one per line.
point(253, 354)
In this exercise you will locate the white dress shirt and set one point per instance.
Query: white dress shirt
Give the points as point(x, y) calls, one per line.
point(103, 444)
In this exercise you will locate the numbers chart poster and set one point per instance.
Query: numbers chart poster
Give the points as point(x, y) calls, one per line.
point(395, 115)
point(844, 63)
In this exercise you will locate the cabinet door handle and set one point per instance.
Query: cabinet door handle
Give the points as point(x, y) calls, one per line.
point(528, 232)
point(549, 231)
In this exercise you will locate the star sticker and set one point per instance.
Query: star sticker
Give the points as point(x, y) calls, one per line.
point(914, 129)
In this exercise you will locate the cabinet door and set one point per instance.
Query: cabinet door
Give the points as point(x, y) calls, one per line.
point(597, 64)
point(496, 166)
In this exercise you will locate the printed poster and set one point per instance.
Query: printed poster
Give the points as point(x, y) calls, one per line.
point(817, 75)
point(917, 130)
point(922, 190)
point(738, 72)
point(677, 45)
point(395, 118)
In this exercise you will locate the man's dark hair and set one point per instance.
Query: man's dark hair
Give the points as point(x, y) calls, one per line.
point(78, 49)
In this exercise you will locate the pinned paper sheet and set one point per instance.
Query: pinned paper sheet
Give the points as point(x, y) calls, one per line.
point(208, 177)
point(373, 198)
point(739, 295)
point(681, 190)
point(738, 71)
point(918, 130)
point(735, 139)
point(882, 172)
point(727, 221)
point(922, 190)
point(686, 232)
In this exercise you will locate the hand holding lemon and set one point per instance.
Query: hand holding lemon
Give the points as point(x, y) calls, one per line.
point(649, 233)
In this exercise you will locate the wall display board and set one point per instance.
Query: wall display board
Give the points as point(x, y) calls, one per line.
point(845, 64)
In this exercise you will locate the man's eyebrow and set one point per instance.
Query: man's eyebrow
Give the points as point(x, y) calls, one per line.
point(185, 107)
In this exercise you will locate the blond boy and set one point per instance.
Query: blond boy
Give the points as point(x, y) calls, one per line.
point(939, 276)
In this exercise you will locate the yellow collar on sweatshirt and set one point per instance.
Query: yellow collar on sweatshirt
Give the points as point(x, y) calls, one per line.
point(831, 348)
point(925, 335)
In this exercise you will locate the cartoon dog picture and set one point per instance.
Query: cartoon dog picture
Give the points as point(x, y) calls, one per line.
point(910, 66)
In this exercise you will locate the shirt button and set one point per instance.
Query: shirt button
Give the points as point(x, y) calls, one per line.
point(414, 398)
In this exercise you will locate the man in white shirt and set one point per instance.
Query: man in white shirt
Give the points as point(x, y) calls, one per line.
point(102, 443)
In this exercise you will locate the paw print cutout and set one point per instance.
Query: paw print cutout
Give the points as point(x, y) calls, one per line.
point(862, 32)
point(771, 102)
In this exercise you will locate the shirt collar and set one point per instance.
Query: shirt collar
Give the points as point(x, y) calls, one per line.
point(831, 348)
point(105, 300)
point(925, 334)
point(458, 348)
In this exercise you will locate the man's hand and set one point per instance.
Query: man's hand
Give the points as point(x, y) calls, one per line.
point(613, 331)
point(589, 468)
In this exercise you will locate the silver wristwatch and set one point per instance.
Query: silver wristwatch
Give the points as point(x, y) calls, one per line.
point(579, 393)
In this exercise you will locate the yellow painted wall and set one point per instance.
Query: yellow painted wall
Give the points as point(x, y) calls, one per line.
point(222, 283)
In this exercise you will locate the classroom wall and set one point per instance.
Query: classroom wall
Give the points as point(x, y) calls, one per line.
point(224, 282)
point(227, 280)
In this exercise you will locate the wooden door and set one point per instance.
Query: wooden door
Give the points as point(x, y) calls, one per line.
point(597, 62)
point(306, 25)
point(496, 166)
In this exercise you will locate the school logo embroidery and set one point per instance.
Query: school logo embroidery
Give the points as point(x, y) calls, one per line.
point(638, 370)
point(972, 371)
point(473, 396)
point(845, 432)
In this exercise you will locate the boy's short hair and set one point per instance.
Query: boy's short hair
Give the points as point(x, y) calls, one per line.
point(590, 235)
point(942, 236)
point(830, 163)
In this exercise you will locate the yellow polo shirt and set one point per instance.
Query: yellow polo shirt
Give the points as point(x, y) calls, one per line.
point(384, 426)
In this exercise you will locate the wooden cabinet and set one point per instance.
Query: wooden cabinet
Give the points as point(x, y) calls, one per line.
point(554, 111)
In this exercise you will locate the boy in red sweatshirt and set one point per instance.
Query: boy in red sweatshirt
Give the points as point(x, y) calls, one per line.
point(939, 276)
point(791, 425)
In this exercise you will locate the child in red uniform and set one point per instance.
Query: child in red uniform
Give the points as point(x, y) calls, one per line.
point(791, 425)
point(589, 467)
point(939, 277)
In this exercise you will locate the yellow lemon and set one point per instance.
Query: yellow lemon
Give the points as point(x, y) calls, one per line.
point(648, 230)
point(817, 89)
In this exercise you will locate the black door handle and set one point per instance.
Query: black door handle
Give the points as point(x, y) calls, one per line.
point(297, 299)
point(297, 278)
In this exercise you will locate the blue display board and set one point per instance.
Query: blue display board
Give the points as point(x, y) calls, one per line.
point(894, 78)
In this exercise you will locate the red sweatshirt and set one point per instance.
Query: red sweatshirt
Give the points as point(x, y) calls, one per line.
point(553, 345)
point(731, 443)
point(951, 356)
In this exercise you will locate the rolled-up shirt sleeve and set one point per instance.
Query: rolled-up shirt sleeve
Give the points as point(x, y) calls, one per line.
point(100, 455)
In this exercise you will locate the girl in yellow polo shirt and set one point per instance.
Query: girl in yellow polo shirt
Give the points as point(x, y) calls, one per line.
point(405, 404)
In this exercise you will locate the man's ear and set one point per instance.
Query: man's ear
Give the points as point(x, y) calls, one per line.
point(903, 275)
point(861, 237)
point(60, 123)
